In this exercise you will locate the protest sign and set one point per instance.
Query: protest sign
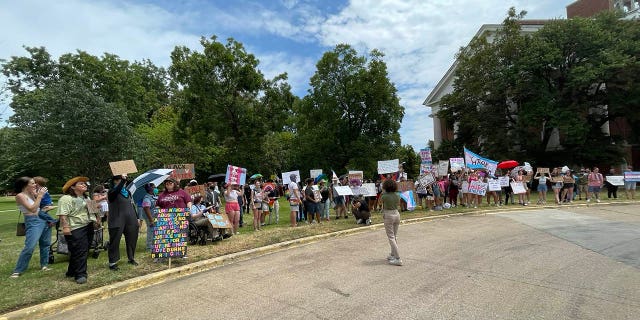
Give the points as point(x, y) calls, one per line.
point(518, 187)
point(235, 175)
point(443, 168)
point(313, 173)
point(286, 176)
point(472, 158)
point(494, 184)
point(557, 179)
point(388, 166)
point(632, 176)
point(368, 190)
point(543, 170)
point(615, 180)
point(182, 171)
point(123, 167)
point(504, 181)
point(425, 155)
point(356, 178)
point(478, 187)
point(343, 190)
point(426, 168)
point(196, 191)
point(219, 220)
point(456, 164)
point(426, 179)
point(170, 234)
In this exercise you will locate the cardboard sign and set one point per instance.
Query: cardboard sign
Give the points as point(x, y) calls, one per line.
point(343, 190)
point(557, 179)
point(170, 234)
point(219, 220)
point(494, 185)
point(615, 180)
point(388, 166)
point(123, 167)
point(504, 181)
point(543, 170)
point(315, 172)
point(93, 206)
point(196, 191)
point(518, 188)
point(426, 179)
point(478, 187)
point(286, 176)
point(182, 171)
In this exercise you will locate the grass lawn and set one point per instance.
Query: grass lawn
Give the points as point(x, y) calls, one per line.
point(34, 286)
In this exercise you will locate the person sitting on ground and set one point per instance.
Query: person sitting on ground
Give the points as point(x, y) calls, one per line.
point(361, 211)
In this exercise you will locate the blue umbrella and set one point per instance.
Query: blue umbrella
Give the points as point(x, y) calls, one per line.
point(322, 176)
point(155, 176)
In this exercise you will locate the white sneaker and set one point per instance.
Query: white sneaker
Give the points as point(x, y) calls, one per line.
point(598, 200)
point(588, 200)
point(390, 257)
point(368, 222)
point(395, 262)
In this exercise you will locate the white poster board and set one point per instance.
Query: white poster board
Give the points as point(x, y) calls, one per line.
point(478, 187)
point(494, 185)
point(286, 176)
point(427, 179)
point(443, 168)
point(313, 173)
point(615, 180)
point(343, 190)
point(368, 190)
point(518, 187)
point(458, 163)
point(388, 166)
point(504, 181)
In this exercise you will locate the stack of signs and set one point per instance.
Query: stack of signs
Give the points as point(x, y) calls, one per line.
point(170, 234)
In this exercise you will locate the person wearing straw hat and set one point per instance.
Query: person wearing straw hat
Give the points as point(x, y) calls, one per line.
point(77, 226)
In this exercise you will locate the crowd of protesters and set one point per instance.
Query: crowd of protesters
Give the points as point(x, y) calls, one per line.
point(309, 203)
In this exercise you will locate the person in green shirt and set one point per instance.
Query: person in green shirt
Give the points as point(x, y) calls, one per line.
point(77, 226)
point(391, 216)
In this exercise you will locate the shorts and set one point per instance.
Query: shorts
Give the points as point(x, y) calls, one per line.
point(295, 206)
point(542, 188)
point(593, 189)
point(312, 208)
point(567, 185)
point(631, 185)
point(422, 195)
point(436, 191)
point(257, 205)
point(231, 206)
point(339, 200)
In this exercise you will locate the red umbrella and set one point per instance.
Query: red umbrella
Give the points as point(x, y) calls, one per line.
point(507, 164)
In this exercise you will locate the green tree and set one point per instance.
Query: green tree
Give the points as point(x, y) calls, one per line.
point(65, 130)
point(224, 100)
point(516, 95)
point(351, 115)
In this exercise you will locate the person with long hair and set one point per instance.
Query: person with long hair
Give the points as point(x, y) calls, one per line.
point(37, 230)
point(542, 187)
point(77, 226)
point(257, 196)
point(231, 206)
point(391, 216)
point(557, 180)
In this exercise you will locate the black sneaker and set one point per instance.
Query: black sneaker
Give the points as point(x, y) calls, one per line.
point(132, 262)
point(81, 280)
point(114, 267)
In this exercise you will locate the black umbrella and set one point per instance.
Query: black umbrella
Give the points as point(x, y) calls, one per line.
point(217, 177)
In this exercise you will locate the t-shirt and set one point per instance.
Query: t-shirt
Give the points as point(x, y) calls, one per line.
point(308, 192)
point(595, 179)
point(75, 208)
point(363, 206)
point(390, 200)
point(292, 187)
point(174, 199)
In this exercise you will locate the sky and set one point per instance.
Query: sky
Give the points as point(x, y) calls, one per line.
point(418, 37)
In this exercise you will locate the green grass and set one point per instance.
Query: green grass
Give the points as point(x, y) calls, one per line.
point(35, 286)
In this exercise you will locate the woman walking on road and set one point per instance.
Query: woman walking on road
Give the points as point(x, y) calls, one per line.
point(391, 216)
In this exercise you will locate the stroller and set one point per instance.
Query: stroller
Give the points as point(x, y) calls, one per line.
point(60, 245)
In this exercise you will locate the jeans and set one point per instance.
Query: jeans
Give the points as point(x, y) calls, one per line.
point(143, 215)
point(324, 207)
point(37, 232)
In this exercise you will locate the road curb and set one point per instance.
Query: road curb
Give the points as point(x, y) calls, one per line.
point(104, 292)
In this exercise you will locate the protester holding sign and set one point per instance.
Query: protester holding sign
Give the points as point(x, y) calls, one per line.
point(122, 219)
point(557, 180)
point(231, 206)
point(542, 187)
point(568, 183)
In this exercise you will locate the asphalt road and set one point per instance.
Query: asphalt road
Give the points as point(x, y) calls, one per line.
point(565, 263)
